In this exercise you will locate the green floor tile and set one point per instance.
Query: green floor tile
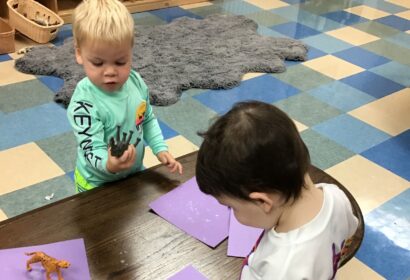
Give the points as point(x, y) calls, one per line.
point(377, 29)
point(146, 18)
point(324, 152)
point(23, 95)
point(389, 50)
point(307, 109)
point(303, 77)
point(191, 92)
point(266, 18)
point(324, 6)
point(394, 71)
point(187, 117)
point(381, 5)
point(32, 197)
point(62, 149)
point(208, 10)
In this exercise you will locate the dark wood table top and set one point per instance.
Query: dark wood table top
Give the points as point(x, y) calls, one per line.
point(123, 238)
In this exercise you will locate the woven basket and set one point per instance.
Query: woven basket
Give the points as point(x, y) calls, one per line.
point(26, 16)
point(6, 38)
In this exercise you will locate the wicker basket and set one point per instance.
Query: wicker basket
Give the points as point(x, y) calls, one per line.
point(34, 20)
point(6, 38)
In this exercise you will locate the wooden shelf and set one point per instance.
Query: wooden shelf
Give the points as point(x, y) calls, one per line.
point(64, 8)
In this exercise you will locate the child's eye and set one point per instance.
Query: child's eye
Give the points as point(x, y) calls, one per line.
point(120, 63)
point(97, 64)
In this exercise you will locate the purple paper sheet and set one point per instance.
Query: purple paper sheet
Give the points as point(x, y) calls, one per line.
point(241, 238)
point(188, 273)
point(13, 261)
point(194, 212)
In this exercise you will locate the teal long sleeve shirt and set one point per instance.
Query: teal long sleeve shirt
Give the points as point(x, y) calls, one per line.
point(94, 116)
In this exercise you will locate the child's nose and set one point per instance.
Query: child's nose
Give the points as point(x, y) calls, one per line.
point(110, 71)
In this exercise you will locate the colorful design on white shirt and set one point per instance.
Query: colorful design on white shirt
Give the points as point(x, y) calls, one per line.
point(312, 251)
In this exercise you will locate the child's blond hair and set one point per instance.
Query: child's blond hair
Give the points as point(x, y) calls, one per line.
point(106, 21)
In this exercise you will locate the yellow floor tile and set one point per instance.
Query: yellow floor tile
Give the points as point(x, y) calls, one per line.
point(367, 12)
point(24, 166)
point(268, 5)
point(403, 3)
point(352, 36)
point(248, 76)
point(178, 146)
point(405, 14)
point(333, 67)
point(196, 5)
point(2, 216)
point(390, 114)
point(355, 269)
point(300, 126)
point(9, 75)
point(369, 183)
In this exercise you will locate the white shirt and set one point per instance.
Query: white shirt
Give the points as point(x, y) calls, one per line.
point(309, 252)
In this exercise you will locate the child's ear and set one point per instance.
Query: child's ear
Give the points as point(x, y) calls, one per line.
point(78, 55)
point(263, 200)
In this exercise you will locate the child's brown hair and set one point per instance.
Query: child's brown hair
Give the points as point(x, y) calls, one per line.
point(255, 147)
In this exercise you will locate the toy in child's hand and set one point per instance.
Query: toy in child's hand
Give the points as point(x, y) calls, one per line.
point(118, 147)
point(50, 264)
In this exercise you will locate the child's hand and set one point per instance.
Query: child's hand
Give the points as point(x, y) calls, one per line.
point(122, 163)
point(168, 160)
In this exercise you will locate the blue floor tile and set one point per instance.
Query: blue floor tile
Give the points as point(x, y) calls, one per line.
point(32, 124)
point(351, 133)
point(61, 36)
point(70, 175)
point(53, 83)
point(386, 244)
point(362, 57)
point(265, 88)
point(167, 132)
point(395, 22)
point(169, 14)
point(312, 54)
point(4, 57)
point(393, 154)
point(341, 96)
point(295, 30)
point(327, 43)
point(372, 84)
point(344, 17)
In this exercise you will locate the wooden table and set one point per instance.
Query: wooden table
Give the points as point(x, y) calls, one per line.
point(123, 239)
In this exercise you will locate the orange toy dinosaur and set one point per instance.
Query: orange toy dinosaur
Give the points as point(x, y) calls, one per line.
point(50, 264)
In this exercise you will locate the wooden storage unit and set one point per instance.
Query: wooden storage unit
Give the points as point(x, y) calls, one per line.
point(64, 8)
point(6, 37)
point(34, 20)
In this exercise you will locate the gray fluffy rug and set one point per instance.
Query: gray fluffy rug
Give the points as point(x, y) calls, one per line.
point(212, 53)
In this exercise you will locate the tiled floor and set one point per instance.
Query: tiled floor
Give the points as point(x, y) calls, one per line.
point(350, 100)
